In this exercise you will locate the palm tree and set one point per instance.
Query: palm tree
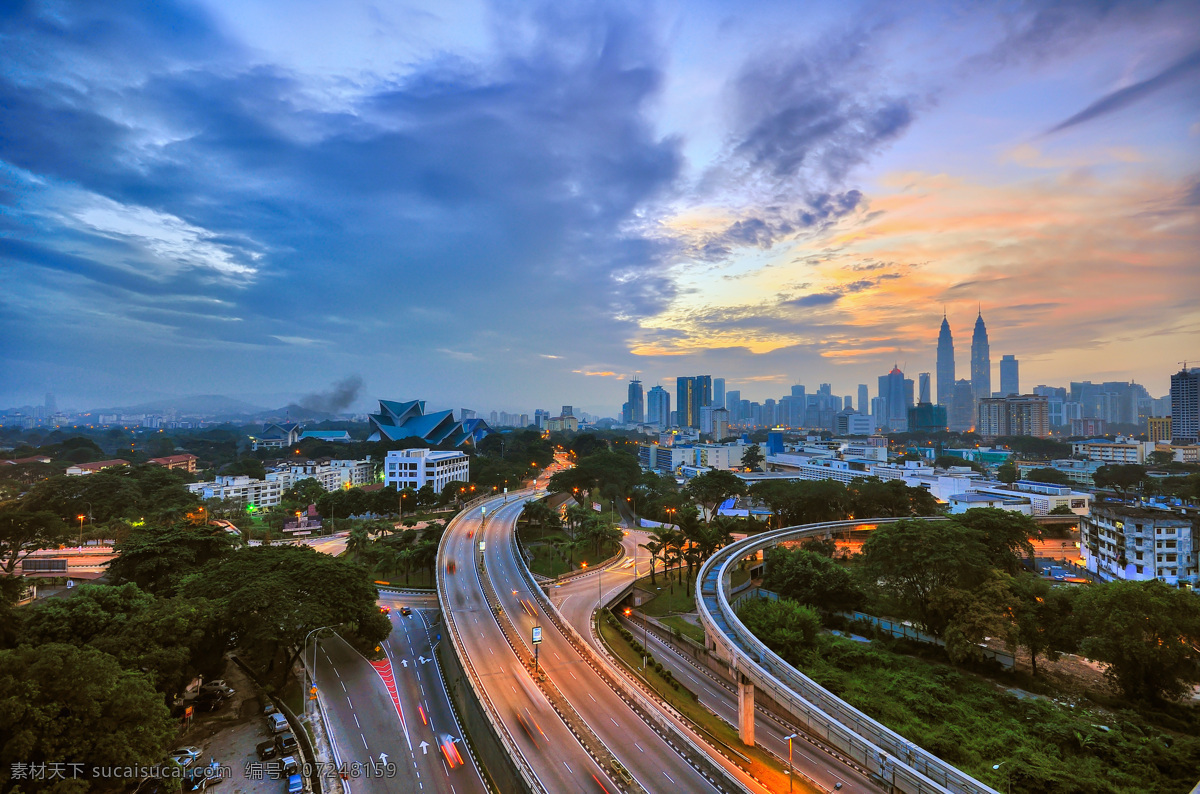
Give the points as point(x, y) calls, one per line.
point(655, 549)
point(358, 541)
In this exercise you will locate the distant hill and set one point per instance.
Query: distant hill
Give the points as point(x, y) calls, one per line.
point(196, 405)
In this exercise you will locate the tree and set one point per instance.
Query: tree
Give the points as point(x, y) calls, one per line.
point(1008, 536)
point(871, 497)
point(1007, 472)
point(169, 639)
point(713, 487)
point(1146, 632)
point(304, 493)
point(788, 628)
point(950, 461)
point(973, 613)
point(23, 532)
point(1158, 458)
point(1039, 613)
point(1061, 510)
point(913, 560)
point(270, 597)
point(64, 704)
point(753, 458)
point(157, 558)
point(811, 579)
point(1122, 477)
point(246, 467)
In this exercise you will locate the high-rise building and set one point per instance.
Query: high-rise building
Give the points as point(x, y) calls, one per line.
point(864, 401)
point(720, 419)
point(1158, 428)
point(923, 380)
point(1015, 415)
point(981, 361)
point(896, 396)
point(51, 404)
point(1185, 406)
point(962, 406)
point(945, 363)
point(635, 412)
point(770, 418)
point(540, 417)
point(658, 407)
point(568, 410)
point(718, 393)
point(1010, 379)
point(690, 394)
point(926, 417)
point(733, 400)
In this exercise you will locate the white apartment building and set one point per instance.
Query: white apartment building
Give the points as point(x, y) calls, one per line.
point(333, 474)
point(247, 490)
point(415, 468)
point(718, 456)
point(1120, 451)
point(1120, 542)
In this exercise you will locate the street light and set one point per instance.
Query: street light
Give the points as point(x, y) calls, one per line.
point(789, 741)
point(312, 677)
point(1007, 776)
point(81, 516)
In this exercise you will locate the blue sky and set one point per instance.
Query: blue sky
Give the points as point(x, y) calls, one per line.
point(520, 205)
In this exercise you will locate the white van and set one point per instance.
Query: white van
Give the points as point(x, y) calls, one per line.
point(278, 723)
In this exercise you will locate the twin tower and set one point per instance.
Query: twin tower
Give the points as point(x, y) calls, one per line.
point(981, 363)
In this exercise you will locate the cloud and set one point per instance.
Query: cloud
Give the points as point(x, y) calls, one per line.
point(816, 299)
point(1131, 94)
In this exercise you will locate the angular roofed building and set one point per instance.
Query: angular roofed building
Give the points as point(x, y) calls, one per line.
point(400, 420)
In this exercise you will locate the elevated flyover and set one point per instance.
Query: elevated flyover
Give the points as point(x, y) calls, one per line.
point(889, 757)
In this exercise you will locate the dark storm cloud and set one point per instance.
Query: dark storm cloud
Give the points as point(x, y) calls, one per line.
point(1182, 69)
point(815, 214)
point(815, 110)
point(455, 190)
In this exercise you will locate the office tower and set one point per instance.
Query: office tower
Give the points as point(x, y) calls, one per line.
point(51, 404)
point(848, 402)
point(718, 393)
point(1185, 406)
point(706, 421)
point(877, 411)
point(1158, 428)
point(743, 410)
point(658, 408)
point(864, 400)
point(981, 361)
point(825, 389)
point(962, 406)
point(540, 416)
point(1014, 416)
point(923, 379)
point(945, 363)
point(637, 404)
point(690, 394)
point(732, 400)
point(567, 411)
point(1010, 379)
point(896, 396)
point(927, 418)
point(720, 419)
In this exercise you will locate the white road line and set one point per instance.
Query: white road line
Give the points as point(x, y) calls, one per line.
point(568, 766)
point(343, 685)
point(614, 722)
point(356, 723)
point(668, 777)
point(349, 703)
point(638, 746)
point(590, 695)
point(364, 738)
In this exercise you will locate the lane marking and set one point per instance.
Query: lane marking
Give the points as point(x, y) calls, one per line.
point(355, 716)
point(364, 738)
point(614, 722)
point(568, 766)
point(668, 777)
point(638, 746)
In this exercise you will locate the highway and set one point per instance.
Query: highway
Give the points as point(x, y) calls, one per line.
point(364, 721)
point(650, 760)
point(578, 598)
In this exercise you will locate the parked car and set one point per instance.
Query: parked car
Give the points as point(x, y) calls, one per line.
point(269, 709)
point(289, 765)
point(184, 756)
point(277, 722)
point(295, 784)
point(286, 742)
point(267, 750)
point(219, 687)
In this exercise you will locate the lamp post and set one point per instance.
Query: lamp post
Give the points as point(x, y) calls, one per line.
point(312, 677)
point(789, 741)
point(1007, 776)
point(81, 516)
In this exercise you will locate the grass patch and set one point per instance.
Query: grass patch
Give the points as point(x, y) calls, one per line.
point(1095, 746)
point(549, 561)
point(683, 627)
point(671, 594)
point(292, 695)
point(761, 765)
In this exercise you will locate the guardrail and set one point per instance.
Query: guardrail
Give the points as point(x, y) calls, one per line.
point(500, 739)
point(890, 757)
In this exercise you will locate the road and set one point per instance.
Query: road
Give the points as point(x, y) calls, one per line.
point(364, 721)
point(580, 597)
point(647, 756)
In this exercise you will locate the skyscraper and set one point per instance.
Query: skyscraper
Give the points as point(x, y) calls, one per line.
point(690, 395)
point(1185, 406)
point(896, 396)
point(923, 380)
point(733, 401)
point(962, 406)
point(945, 363)
point(658, 407)
point(864, 401)
point(637, 404)
point(1010, 379)
point(718, 396)
point(981, 361)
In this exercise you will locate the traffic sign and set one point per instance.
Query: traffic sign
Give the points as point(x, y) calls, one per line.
point(537, 634)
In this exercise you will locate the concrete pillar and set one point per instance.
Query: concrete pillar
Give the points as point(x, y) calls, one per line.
point(745, 710)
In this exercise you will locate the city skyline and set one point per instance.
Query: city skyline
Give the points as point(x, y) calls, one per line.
point(196, 202)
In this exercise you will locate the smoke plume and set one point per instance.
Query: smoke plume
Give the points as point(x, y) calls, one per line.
point(337, 399)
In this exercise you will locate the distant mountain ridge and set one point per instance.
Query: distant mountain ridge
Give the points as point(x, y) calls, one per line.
point(195, 405)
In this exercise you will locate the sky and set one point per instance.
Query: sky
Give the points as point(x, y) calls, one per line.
point(519, 205)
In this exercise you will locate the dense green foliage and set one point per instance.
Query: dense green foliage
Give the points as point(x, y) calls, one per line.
point(156, 558)
point(147, 492)
point(812, 579)
point(713, 487)
point(810, 501)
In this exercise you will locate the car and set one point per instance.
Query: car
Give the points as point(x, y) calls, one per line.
point(385, 609)
point(267, 750)
point(289, 765)
point(269, 709)
point(405, 611)
point(218, 687)
point(184, 756)
point(295, 784)
point(277, 722)
point(450, 750)
point(286, 742)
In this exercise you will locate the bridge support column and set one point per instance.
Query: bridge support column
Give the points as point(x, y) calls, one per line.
point(745, 710)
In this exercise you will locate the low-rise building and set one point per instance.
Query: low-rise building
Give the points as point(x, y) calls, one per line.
point(415, 468)
point(81, 469)
point(962, 502)
point(1136, 543)
point(1080, 472)
point(186, 462)
point(246, 490)
point(276, 435)
point(332, 436)
point(1123, 450)
point(331, 474)
point(665, 458)
point(1158, 428)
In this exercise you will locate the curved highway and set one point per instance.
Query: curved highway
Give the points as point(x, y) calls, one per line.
point(560, 761)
